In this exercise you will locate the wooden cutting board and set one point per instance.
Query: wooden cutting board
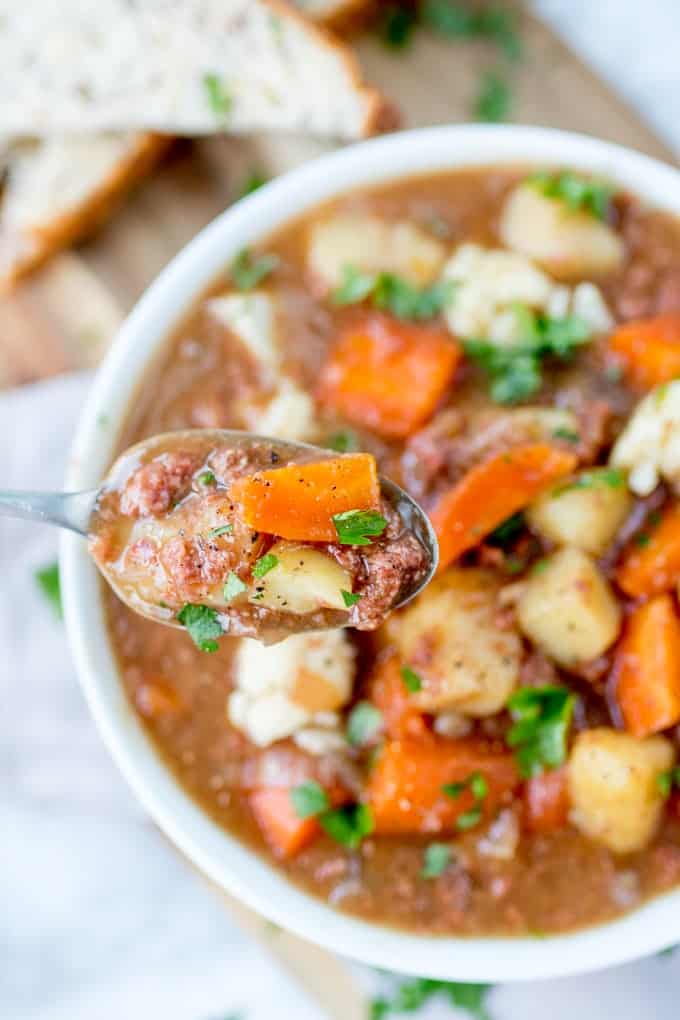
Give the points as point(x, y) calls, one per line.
point(63, 318)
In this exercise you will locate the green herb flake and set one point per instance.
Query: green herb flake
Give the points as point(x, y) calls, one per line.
point(343, 441)
point(224, 529)
point(397, 26)
point(666, 781)
point(478, 785)
point(642, 539)
point(437, 859)
point(469, 819)
point(253, 182)
point(233, 586)
point(515, 371)
point(461, 21)
point(348, 825)
point(206, 479)
point(390, 293)
point(202, 624)
point(454, 789)
point(413, 994)
point(247, 270)
point(47, 579)
point(265, 564)
point(350, 598)
point(611, 477)
point(540, 566)
point(508, 531)
point(494, 98)
point(578, 193)
point(668, 951)
point(411, 680)
point(354, 527)
point(364, 722)
point(218, 97)
point(542, 717)
point(309, 799)
point(568, 435)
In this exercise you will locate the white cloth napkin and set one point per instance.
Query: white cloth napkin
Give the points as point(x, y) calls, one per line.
point(99, 918)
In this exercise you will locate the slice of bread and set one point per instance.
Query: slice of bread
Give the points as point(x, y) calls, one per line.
point(332, 12)
point(181, 67)
point(56, 191)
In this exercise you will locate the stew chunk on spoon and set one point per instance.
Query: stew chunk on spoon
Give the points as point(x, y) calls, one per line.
point(252, 539)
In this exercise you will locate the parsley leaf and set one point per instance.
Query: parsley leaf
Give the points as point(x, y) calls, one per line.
point(224, 529)
point(253, 182)
point(568, 435)
point(542, 716)
point(665, 781)
point(515, 370)
point(611, 477)
point(412, 682)
point(203, 625)
point(412, 994)
point(343, 441)
point(247, 270)
point(354, 526)
point(364, 722)
point(494, 98)
point(397, 25)
point(218, 97)
point(469, 819)
point(508, 531)
point(437, 859)
point(349, 598)
point(392, 294)
point(233, 586)
point(348, 825)
point(265, 564)
point(577, 193)
point(456, 20)
point(47, 579)
point(309, 799)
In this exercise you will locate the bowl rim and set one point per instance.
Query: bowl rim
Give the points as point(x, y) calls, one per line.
point(228, 863)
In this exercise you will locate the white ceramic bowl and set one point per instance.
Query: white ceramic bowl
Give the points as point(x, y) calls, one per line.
point(222, 858)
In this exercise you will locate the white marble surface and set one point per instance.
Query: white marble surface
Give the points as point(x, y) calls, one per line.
point(99, 920)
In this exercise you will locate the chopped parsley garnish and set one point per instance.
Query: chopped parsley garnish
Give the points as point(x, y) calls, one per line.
point(233, 586)
point(542, 716)
point(508, 531)
point(412, 682)
point(437, 859)
point(253, 182)
point(202, 624)
point(224, 529)
point(461, 21)
point(354, 527)
point(412, 994)
point(611, 477)
point(218, 97)
point(515, 370)
point(348, 825)
point(469, 819)
point(667, 780)
point(568, 435)
point(364, 722)
point(478, 786)
point(494, 98)
point(349, 598)
point(642, 539)
point(206, 478)
point(309, 799)
point(265, 564)
point(397, 25)
point(47, 579)
point(343, 441)
point(576, 192)
point(392, 294)
point(247, 270)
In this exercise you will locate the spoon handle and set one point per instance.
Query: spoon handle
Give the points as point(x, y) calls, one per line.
point(71, 510)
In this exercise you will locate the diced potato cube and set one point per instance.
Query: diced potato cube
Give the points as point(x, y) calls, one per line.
point(303, 580)
point(585, 512)
point(449, 637)
point(568, 608)
point(567, 242)
point(372, 245)
point(613, 787)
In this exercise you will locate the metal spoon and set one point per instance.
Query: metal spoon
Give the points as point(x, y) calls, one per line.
point(75, 510)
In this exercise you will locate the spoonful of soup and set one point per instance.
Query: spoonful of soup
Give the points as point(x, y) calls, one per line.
point(223, 532)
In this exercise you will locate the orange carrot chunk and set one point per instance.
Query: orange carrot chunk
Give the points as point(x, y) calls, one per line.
point(491, 492)
point(546, 801)
point(388, 376)
point(406, 789)
point(655, 567)
point(388, 692)
point(646, 674)
point(285, 833)
point(300, 500)
point(649, 350)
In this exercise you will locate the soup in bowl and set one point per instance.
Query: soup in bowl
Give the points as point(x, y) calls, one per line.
point(496, 763)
